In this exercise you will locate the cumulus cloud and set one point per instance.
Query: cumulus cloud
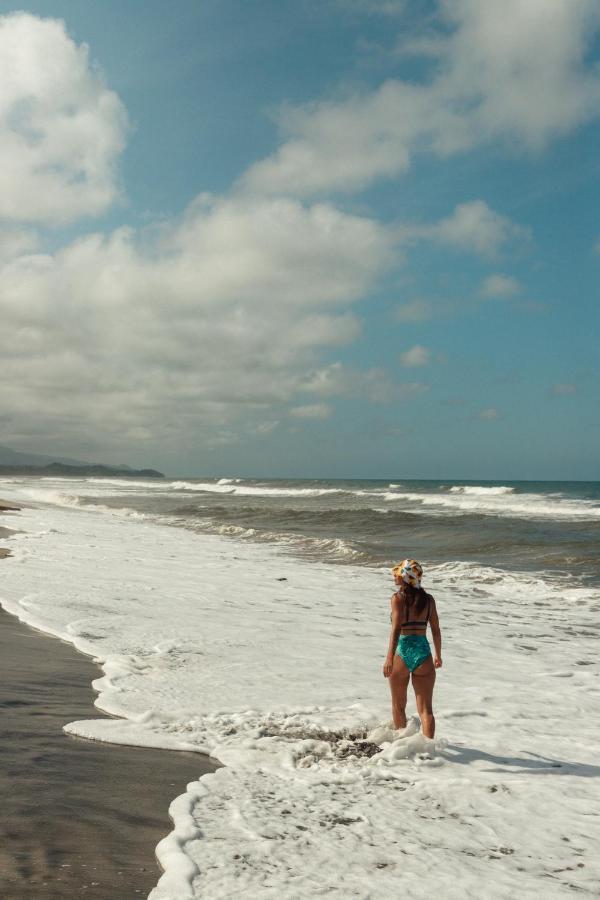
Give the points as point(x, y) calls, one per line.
point(343, 146)
point(499, 286)
point(415, 357)
point(61, 128)
point(214, 318)
point(489, 80)
point(473, 226)
point(495, 57)
point(495, 286)
point(16, 241)
point(337, 379)
point(373, 385)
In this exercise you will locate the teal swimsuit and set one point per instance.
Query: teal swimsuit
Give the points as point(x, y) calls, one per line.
point(414, 649)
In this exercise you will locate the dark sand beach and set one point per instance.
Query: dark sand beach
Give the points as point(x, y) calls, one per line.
point(78, 818)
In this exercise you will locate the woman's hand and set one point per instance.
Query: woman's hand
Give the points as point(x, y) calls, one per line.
point(388, 666)
point(437, 661)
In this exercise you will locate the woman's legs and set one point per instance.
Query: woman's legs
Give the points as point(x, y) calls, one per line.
point(398, 685)
point(423, 679)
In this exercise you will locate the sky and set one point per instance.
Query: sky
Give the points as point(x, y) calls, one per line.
point(312, 238)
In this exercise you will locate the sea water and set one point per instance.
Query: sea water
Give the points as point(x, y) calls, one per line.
point(250, 620)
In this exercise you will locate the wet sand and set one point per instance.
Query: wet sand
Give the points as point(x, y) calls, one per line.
point(78, 818)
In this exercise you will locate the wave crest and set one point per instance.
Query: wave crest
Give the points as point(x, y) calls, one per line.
point(481, 491)
point(225, 486)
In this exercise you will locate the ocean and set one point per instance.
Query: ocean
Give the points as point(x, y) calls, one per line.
point(249, 619)
point(550, 527)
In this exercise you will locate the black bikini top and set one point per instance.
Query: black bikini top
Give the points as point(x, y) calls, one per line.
point(419, 623)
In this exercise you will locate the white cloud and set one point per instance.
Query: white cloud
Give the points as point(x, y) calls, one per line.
point(515, 70)
point(61, 129)
point(489, 413)
point(203, 328)
point(523, 63)
point(474, 227)
point(416, 356)
point(342, 146)
point(471, 227)
point(311, 411)
point(373, 385)
point(563, 390)
point(16, 241)
point(498, 285)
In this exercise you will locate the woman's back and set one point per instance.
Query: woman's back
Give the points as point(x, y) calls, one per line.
point(416, 606)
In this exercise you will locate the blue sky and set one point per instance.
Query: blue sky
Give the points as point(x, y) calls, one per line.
point(345, 238)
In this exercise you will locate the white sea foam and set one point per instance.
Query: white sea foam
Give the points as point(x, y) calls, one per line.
point(225, 486)
point(500, 500)
point(331, 548)
point(279, 679)
point(132, 484)
point(51, 496)
point(320, 548)
point(481, 491)
point(491, 501)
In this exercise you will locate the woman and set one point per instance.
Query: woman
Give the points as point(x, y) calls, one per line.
point(409, 652)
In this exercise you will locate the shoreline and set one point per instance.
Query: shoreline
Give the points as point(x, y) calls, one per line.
point(80, 818)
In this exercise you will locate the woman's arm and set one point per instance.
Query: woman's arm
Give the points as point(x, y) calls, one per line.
point(436, 634)
point(394, 635)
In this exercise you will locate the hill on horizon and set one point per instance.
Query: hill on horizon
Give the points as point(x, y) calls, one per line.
point(10, 457)
point(19, 460)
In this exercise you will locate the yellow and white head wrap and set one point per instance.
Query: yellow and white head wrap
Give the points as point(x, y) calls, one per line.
point(410, 571)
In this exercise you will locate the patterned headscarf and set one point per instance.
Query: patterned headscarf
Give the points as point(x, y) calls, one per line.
point(410, 570)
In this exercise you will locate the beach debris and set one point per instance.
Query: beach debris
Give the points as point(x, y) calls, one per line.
point(357, 748)
point(343, 743)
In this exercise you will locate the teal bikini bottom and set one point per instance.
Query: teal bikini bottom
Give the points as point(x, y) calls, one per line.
point(414, 649)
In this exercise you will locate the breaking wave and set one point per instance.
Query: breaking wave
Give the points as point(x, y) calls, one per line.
point(226, 486)
point(501, 501)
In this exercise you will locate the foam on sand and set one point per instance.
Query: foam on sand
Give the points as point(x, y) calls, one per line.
point(203, 648)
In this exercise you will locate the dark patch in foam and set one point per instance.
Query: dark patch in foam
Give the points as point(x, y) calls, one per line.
point(344, 742)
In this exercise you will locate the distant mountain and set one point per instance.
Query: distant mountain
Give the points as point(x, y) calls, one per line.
point(10, 457)
point(14, 463)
